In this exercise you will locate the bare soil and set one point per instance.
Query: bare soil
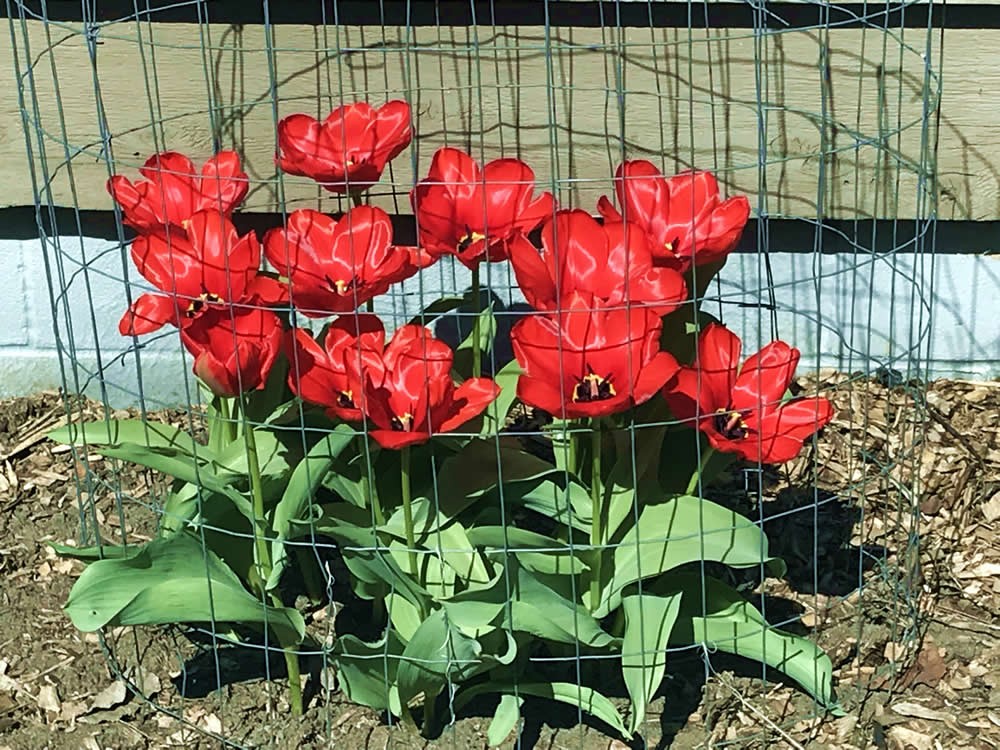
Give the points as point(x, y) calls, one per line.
point(887, 528)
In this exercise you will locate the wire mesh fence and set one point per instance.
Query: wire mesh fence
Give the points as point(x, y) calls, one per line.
point(447, 406)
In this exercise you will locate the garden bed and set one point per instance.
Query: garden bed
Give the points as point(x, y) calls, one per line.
point(916, 650)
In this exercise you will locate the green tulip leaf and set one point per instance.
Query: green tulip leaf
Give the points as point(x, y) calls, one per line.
point(299, 491)
point(440, 654)
point(374, 570)
point(477, 611)
point(172, 580)
point(505, 719)
point(679, 531)
point(366, 672)
point(159, 447)
point(442, 536)
point(487, 331)
point(536, 552)
point(649, 619)
point(105, 551)
point(495, 416)
point(540, 610)
point(587, 699)
point(730, 623)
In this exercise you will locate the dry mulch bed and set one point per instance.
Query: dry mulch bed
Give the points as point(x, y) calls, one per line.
point(916, 649)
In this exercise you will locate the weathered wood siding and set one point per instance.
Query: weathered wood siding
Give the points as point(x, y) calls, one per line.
point(827, 124)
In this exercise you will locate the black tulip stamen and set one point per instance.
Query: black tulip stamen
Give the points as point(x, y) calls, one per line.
point(592, 387)
point(197, 305)
point(730, 424)
point(402, 423)
point(468, 238)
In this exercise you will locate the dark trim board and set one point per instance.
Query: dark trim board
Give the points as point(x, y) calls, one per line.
point(946, 237)
point(579, 13)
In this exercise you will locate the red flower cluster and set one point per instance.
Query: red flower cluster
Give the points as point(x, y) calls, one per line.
point(404, 389)
point(599, 288)
point(208, 275)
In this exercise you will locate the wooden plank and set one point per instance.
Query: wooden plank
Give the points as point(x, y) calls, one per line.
point(845, 140)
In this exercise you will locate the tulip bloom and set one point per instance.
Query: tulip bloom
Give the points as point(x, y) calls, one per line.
point(740, 409)
point(472, 212)
point(335, 266)
point(348, 151)
point(174, 190)
point(683, 215)
point(612, 263)
point(407, 392)
point(319, 374)
point(208, 266)
point(586, 361)
point(234, 348)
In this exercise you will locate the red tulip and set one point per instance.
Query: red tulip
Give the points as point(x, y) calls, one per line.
point(234, 348)
point(335, 266)
point(407, 390)
point(208, 266)
point(349, 149)
point(740, 409)
point(683, 215)
point(319, 374)
point(589, 362)
point(173, 190)
point(612, 263)
point(474, 212)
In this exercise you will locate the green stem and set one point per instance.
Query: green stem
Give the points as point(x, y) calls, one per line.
point(477, 363)
point(225, 414)
point(597, 511)
point(706, 455)
point(571, 439)
point(411, 541)
point(264, 566)
point(369, 489)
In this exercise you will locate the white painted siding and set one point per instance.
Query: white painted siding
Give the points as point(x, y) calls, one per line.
point(862, 313)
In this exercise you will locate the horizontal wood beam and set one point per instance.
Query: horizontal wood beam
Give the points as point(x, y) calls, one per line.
point(837, 124)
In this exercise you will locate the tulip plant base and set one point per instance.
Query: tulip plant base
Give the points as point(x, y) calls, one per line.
point(56, 689)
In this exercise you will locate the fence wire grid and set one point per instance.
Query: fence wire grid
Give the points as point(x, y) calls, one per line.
point(827, 125)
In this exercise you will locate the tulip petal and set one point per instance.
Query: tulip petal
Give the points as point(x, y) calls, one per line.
point(226, 261)
point(148, 313)
point(718, 358)
point(785, 429)
point(393, 132)
point(173, 176)
point(644, 197)
point(607, 210)
point(764, 377)
point(301, 146)
point(469, 401)
point(653, 376)
point(533, 274)
point(223, 184)
point(171, 266)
